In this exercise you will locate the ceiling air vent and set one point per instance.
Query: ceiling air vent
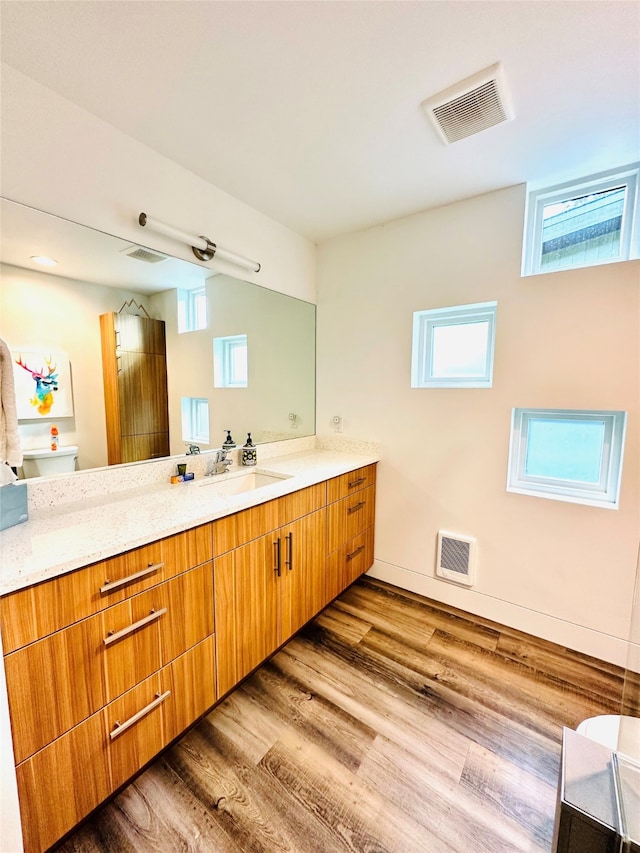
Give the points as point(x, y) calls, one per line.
point(145, 255)
point(473, 105)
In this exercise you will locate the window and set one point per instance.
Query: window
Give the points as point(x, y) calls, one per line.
point(582, 223)
point(195, 419)
point(567, 455)
point(453, 347)
point(192, 309)
point(230, 362)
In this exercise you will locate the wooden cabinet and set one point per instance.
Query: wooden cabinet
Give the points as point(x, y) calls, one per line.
point(63, 782)
point(108, 664)
point(134, 369)
point(267, 585)
point(351, 518)
point(303, 561)
point(97, 685)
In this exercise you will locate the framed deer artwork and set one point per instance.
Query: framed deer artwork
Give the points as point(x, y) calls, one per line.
point(43, 384)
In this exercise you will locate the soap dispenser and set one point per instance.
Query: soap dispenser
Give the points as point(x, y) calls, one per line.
point(228, 443)
point(249, 452)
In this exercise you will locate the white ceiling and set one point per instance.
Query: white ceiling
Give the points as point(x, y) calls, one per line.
point(310, 111)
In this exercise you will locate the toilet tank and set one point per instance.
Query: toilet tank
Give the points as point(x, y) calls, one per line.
point(45, 462)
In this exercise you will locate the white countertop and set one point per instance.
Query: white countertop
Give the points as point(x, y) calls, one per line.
point(57, 540)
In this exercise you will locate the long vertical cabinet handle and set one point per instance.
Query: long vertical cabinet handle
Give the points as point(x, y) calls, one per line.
point(289, 562)
point(276, 546)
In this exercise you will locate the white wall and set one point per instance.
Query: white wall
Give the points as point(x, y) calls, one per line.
point(41, 311)
point(61, 159)
point(565, 340)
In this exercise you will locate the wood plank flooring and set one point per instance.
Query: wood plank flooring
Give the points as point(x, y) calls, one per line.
point(390, 724)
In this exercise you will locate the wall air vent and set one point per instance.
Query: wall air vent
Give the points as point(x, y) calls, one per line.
point(475, 104)
point(456, 560)
point(145, 255)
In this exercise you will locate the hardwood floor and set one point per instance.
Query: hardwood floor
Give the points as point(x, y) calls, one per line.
point(390, 723)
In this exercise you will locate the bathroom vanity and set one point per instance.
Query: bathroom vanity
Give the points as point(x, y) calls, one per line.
point(109, 658)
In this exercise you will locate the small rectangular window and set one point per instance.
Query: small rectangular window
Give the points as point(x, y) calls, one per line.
point(230, 362)
point(192, 309)
point(567, 455)
point(453, 347)
point(195, 419)
point(582, 223)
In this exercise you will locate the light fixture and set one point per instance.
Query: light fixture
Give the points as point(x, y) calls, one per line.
point(43, 260)
point(202, 247)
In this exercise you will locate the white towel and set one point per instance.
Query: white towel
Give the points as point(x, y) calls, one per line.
point(10, 448)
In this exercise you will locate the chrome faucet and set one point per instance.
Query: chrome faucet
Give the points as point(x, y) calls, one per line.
point(193, 449)
point(219, 463)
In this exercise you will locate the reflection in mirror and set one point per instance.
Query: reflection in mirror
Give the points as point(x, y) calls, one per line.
point(57, 309)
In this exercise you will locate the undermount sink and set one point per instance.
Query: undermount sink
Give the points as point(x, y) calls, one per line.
point(230, 484)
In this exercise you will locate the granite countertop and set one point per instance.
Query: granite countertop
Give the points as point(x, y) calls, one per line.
point(57, 540)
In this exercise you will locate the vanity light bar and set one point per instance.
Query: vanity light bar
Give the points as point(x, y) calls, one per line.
point(202, 247)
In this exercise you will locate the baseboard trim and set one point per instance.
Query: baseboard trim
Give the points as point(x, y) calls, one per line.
point(577, 637)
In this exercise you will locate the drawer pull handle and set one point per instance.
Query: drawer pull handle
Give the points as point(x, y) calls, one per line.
point(114, 636)
point(356, 507)
point(109, 586)
point(355, 553)
point(120, 728)
point(357, 482)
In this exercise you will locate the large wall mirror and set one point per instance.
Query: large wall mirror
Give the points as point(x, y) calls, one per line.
point(259, 377)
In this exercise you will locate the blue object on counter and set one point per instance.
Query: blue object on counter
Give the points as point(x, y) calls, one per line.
point(13, 504)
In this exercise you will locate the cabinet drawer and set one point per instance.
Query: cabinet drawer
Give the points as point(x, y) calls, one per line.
point(143, 721)
point(153, 628)
point(348, 562)
point(351, 516)
point(347, 484)
point(97, 762)
point(62, 783)
point(30, 614)
point(138, 725)
point(62, 679)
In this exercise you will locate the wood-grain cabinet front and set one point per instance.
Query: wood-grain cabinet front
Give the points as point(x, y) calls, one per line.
point(270, 578)
point(105, 666)
point(108, 664)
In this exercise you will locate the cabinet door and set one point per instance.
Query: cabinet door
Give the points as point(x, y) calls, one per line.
point(142, 389)
point(303, 558)
point(256, 602)
point(225, 619)
point(139, 334)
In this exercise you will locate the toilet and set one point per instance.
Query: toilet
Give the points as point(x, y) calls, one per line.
point(45, 462)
